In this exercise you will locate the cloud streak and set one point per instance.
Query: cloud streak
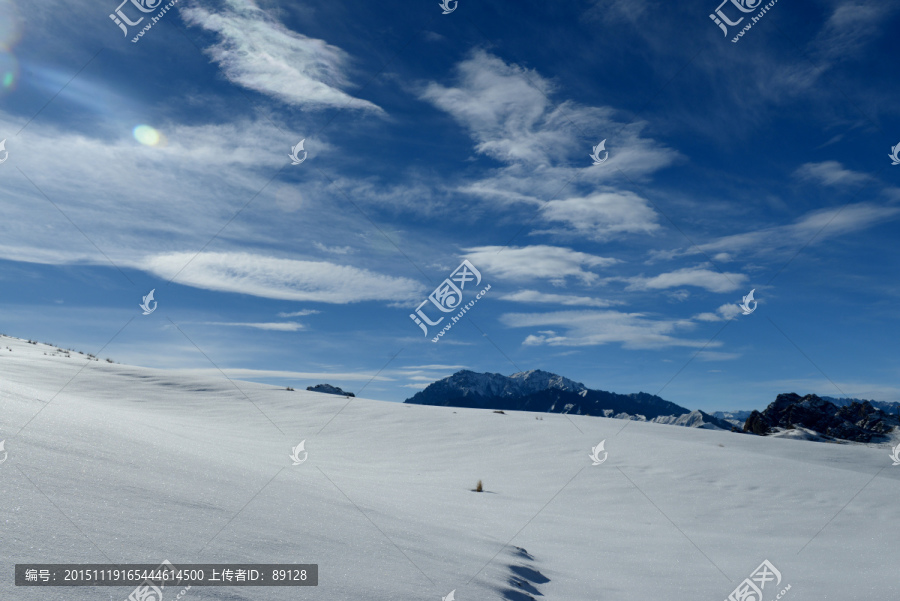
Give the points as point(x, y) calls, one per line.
point(285, 279)
point(554, 263)
point(814, 227)
point(591, 328)
point(260, 54)
point(533, 296)
point(700, 277)
point(288, 326)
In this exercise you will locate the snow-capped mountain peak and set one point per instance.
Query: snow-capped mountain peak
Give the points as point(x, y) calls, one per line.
point(537, 379)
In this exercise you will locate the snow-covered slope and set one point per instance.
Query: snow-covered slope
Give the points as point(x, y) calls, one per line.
point(113, 463)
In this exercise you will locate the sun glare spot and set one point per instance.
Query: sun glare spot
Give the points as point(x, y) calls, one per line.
point(146, 135)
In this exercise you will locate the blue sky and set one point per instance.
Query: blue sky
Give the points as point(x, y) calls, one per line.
point(757, 164)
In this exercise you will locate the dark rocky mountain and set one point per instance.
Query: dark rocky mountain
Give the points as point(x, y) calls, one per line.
point(544, 392)
point(329, 389)
point(858, 421)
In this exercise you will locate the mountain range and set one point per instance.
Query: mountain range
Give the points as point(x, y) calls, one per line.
point(545, 392)
point(809, 417)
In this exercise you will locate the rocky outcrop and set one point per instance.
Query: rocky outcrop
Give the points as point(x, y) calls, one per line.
point(858, 421)
point(329, 389)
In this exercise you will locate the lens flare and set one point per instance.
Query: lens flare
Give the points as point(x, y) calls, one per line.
point(147, 136)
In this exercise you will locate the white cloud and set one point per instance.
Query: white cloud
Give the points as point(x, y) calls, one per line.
point(588, 328)
point(258, 53)
point(508, 116)
point(830, 173)
point(533, 296)
point(717, 356)
point(127, 198)
point(302, 313)
point(286, 279)
point(506, 110)
point(289, 326)
point(711, 280)
point(335, 250)
point(850, 27)
point(814, 227)
point(534, 262)
point(602, 215)
point(724, 312)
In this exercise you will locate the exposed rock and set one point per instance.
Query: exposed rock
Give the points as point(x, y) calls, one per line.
point(329, 389)
point(858, 421)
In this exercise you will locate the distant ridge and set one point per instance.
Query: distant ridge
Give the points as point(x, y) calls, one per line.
point(546, 392)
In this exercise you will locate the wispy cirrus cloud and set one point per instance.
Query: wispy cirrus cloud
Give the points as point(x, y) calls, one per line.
point(286, 279)
point(717, 356)
point(287, 326)
point(554, 263)
point(724, 312)
point(533, 296)
point(508, 112)
point(830, 173)
point(850, 26)
point(590, 328)
point(602, 215)
point(259, 53)
point(302, 313)
point(814, 227)
point(698, 276)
